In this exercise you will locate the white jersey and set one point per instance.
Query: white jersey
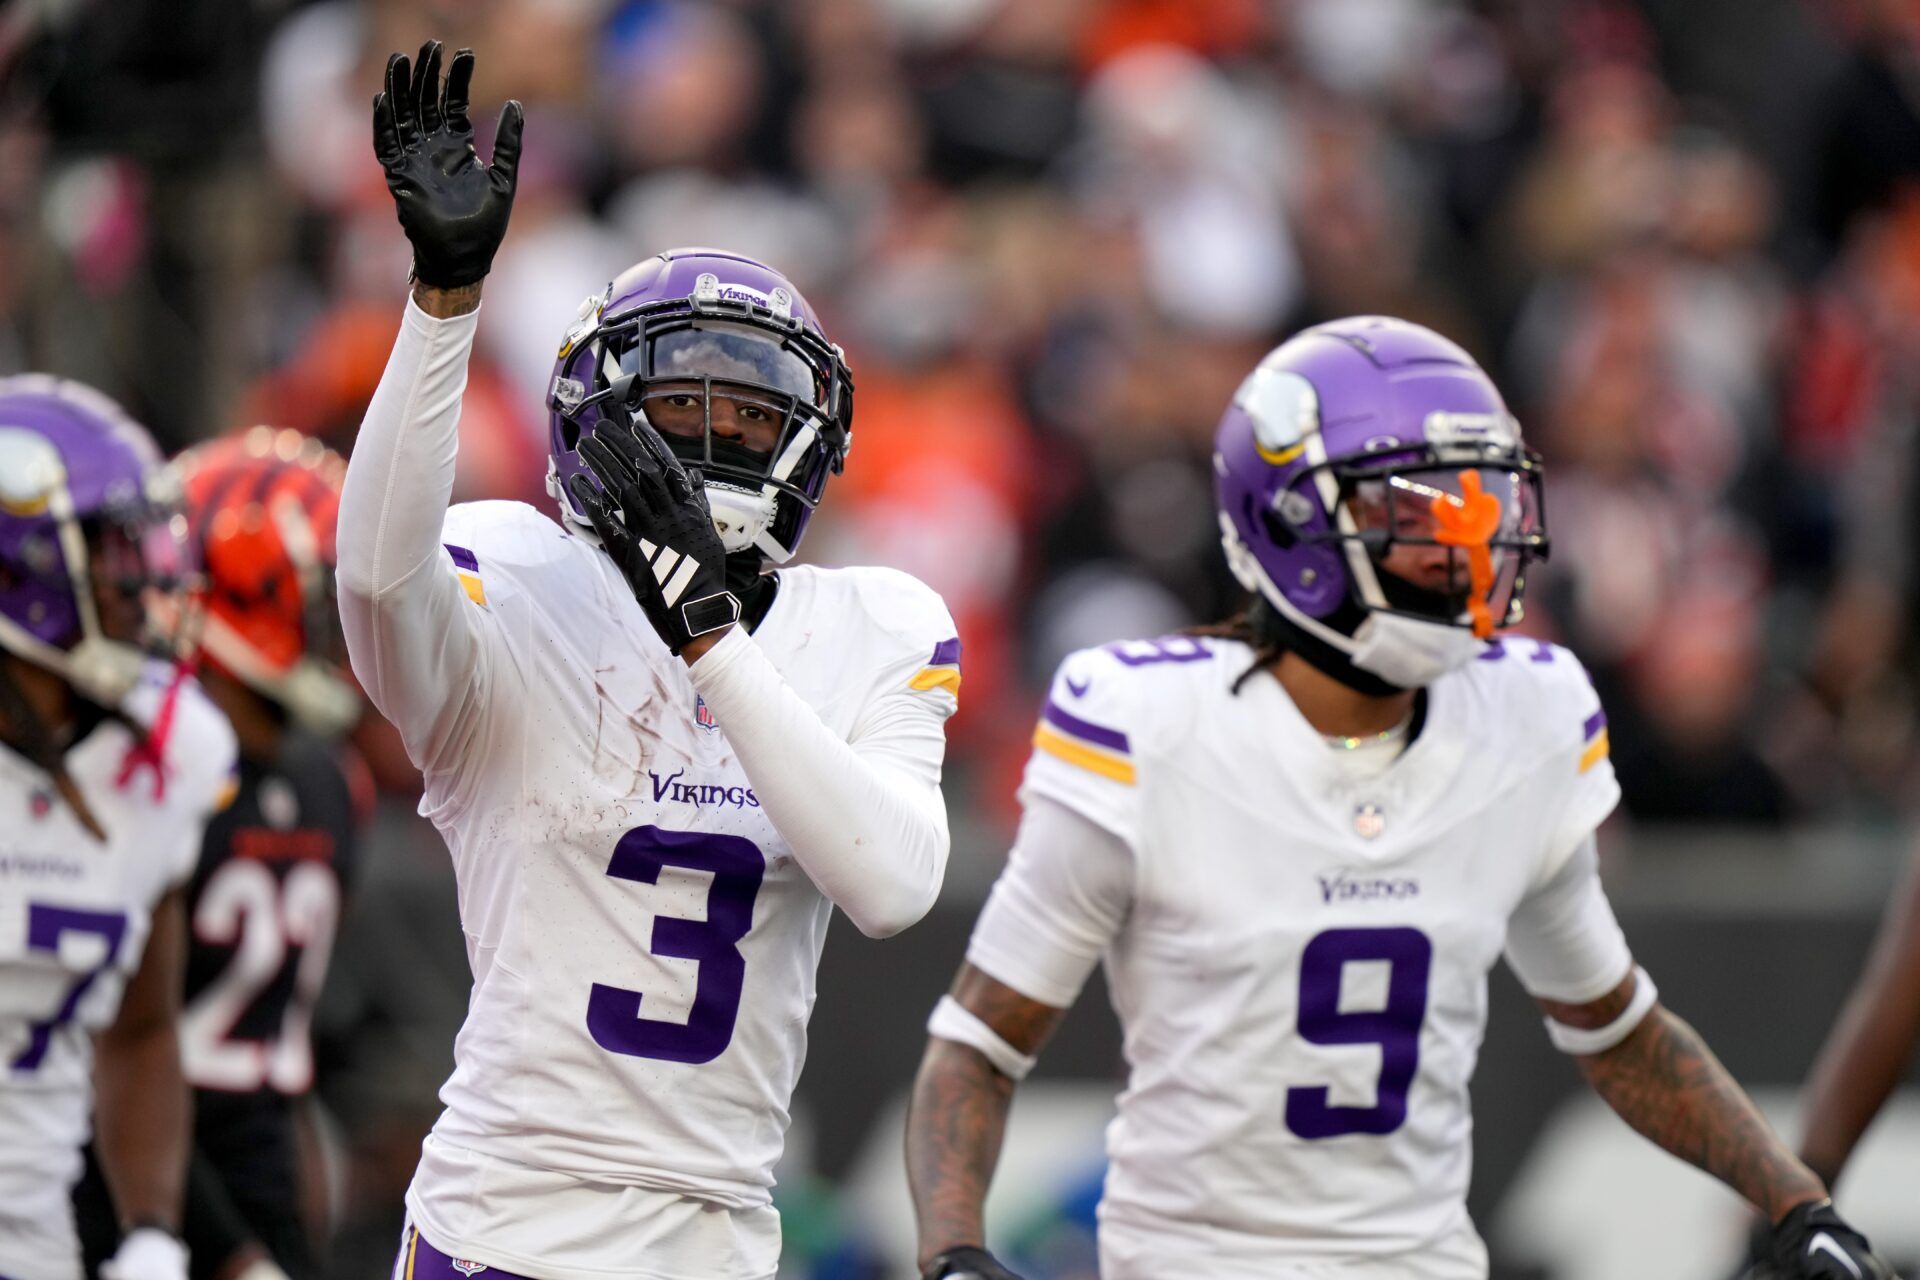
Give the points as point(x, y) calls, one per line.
point(1297, 948)
point(643, 942)
point(74, 919)
point(647, 852)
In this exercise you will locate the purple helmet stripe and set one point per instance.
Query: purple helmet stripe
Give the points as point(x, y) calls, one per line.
point(1060, 718)
point(462, 557)
point(1595, 723)
point(946, 653)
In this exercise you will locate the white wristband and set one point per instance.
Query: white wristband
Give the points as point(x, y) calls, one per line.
point(1584, 1043)
point(953, 1021)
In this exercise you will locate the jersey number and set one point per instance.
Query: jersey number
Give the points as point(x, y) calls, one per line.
point(45, 925)
point(1394, 1026)
point(245, 907)
point(737, 865)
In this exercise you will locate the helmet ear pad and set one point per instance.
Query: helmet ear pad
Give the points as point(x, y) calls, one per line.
point(1294, 556)
point(572, 418)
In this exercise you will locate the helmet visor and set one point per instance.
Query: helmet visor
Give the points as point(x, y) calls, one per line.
point(728, 353)
point(1458, 536)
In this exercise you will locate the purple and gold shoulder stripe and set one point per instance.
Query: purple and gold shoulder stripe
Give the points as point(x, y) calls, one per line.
point(942, 670)
point(1081, 742)
point(229, 790)
point(1597, 745)
point(466, 567)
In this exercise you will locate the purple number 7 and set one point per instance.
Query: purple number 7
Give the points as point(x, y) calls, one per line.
point(1395, 1027)
point(613, 1013)
point(45, 924)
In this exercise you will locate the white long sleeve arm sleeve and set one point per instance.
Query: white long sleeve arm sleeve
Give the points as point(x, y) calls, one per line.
point(410, 631)
point(865, 817)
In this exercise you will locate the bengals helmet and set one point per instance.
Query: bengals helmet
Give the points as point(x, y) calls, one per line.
point(261, 510)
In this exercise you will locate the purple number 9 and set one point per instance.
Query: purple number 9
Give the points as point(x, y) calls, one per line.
point(1395, 1027)
point(613, 1013)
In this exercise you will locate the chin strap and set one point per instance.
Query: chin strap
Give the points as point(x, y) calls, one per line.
point(1273, 627)
point(149, 749)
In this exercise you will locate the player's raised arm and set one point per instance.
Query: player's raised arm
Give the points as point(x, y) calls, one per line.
point(411, 643)
point(1871, 1043)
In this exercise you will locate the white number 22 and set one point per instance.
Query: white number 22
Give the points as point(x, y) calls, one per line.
point(244, 906)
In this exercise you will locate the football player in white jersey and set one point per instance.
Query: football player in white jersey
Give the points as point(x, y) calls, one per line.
point(110, 765)
point(657, 763)
point(1300, 843)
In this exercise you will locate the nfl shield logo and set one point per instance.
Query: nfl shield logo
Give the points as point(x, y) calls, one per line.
point(464, 1267)
point(702, 716)
point(1368, 821)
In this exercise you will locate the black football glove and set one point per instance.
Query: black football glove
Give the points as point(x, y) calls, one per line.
point(453, 208)
point(1815, 1243)
point(966, 1263)
point(663, 539)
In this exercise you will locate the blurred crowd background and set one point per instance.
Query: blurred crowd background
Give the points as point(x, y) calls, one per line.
point(1053, 235)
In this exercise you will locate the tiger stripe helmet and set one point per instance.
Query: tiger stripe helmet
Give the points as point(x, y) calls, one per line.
point(262, 508)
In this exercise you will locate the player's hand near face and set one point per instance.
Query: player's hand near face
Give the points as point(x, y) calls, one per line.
point(453, 208)
point(662, 537)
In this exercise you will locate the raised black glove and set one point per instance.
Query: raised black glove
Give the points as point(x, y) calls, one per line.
point(1815, 1243)
point(453, 208)
point(663, 539)
point(967, 1262)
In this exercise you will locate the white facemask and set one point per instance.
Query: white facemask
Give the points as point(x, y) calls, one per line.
point(1410, 653)
point(740, 518)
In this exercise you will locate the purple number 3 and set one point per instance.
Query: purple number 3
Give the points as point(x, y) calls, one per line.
point(1395, 1027)
point(613, 1013)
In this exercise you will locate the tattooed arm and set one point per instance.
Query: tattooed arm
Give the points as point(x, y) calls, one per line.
point(1065, 892)
point(1664, 1081)
point(958, 1114)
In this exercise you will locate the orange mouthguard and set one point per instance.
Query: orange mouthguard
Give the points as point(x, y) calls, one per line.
point(1469, 522)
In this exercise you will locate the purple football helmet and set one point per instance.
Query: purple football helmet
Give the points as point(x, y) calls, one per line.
point(666, 340)
point(1374, 489)
point(82, 499)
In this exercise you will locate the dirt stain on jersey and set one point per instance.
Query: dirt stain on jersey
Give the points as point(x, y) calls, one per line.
point(626, 736)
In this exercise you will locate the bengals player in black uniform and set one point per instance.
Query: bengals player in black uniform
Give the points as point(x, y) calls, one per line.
point(266, 896)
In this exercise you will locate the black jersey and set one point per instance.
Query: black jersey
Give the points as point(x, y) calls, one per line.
point(264, 903)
